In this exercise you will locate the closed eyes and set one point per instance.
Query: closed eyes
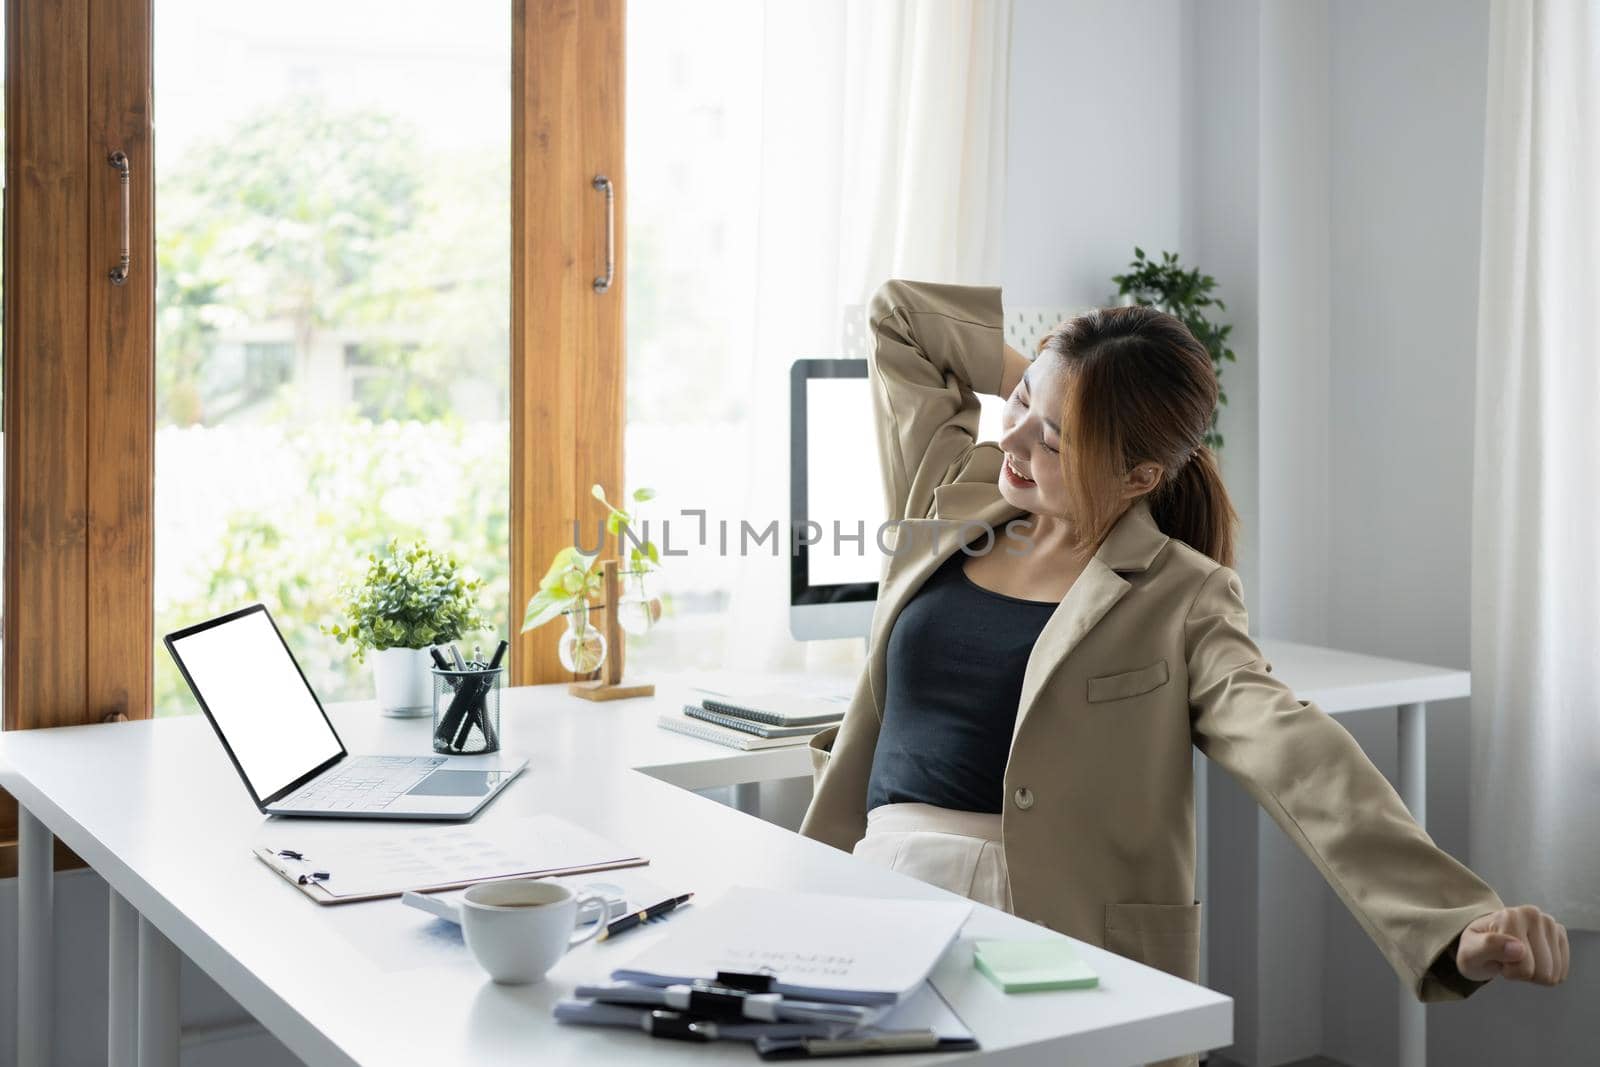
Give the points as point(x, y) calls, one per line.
point(1022, 399)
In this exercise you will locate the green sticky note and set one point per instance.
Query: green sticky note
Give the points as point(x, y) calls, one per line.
point(1032, 966)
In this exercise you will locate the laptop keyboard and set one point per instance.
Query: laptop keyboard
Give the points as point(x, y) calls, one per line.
point(364, 783)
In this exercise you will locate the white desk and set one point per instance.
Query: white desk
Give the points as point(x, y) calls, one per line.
point(156, 809)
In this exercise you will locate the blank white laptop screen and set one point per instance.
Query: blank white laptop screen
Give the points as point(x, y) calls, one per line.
point(261, 705)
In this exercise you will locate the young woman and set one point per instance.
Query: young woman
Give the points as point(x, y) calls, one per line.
point(1059, 622)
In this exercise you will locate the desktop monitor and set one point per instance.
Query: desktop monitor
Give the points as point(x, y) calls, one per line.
point(833, 486)
point(834, 478)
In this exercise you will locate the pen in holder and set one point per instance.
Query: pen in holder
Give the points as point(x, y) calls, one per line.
point(466, 710)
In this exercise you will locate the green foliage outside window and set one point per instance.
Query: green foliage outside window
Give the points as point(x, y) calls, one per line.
point(307, 219)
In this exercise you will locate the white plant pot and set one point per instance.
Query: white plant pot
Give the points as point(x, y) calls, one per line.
point(404, 682)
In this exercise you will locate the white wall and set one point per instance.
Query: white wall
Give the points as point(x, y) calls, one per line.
point(1104, 154)
point(1094, 146)
point(1219, 104)
point(1292, 322)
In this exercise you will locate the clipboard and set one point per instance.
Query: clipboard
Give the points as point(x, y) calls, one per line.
point(346, 869)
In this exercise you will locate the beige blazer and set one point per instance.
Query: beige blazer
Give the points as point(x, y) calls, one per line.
point(1147, 655)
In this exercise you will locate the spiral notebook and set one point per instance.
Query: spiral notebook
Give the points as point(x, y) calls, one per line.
point(749, 726)
point(778, 707)
point(678, 722)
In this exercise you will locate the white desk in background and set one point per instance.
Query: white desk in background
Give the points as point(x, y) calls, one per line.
point(156, 809)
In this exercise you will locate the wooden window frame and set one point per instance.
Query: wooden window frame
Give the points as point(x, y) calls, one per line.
point(79, 370)
point(79, 352)
point(567, 368)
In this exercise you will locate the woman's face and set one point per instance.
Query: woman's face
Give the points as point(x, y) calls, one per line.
point(1031, 477)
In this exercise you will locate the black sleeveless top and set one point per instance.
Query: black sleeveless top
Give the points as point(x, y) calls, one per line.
point(955, 662)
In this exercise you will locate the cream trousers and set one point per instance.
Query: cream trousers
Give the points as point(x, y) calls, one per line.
point(956, 850)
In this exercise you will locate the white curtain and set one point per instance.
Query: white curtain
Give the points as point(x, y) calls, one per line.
point(884, 133)
point(1536, 501)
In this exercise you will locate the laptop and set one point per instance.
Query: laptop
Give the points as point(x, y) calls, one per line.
point(281, 742)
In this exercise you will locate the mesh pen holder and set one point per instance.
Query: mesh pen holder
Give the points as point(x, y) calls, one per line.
point(466, 711)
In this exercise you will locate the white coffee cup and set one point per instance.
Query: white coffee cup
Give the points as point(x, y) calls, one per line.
point(518, 929)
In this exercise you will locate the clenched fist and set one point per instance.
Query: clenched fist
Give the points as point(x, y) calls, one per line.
point(1523, 944)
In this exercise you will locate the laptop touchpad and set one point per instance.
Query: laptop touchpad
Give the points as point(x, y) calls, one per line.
point(456, 784)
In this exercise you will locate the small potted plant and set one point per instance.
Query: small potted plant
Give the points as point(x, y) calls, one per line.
point(411, 599)
point(1164, 284)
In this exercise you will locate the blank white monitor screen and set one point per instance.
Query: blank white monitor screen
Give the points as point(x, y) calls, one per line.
point(842, 482)
point(262, 707)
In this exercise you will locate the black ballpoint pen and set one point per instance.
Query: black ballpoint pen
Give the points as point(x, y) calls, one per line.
point(476, 713)
point(475, 689)
point(442, 664)
point(445, 733)
point(480, 712)
point(632, 919)
point(455, 714)
point(462, 713)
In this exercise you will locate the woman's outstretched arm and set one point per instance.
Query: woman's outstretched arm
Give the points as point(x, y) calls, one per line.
point(1441, 928)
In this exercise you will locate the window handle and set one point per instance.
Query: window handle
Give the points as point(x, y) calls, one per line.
point(603, 184)
point(119, 159)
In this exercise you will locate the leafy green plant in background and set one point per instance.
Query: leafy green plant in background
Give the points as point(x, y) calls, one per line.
point(643, 556)
point(411, 597)
point(1186, 294)
point(574, 575)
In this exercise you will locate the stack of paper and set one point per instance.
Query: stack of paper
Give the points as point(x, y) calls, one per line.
point(856, 950)
point(798, 974)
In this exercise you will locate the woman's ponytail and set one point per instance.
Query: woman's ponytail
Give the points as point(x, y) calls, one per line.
point(1193, 506)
